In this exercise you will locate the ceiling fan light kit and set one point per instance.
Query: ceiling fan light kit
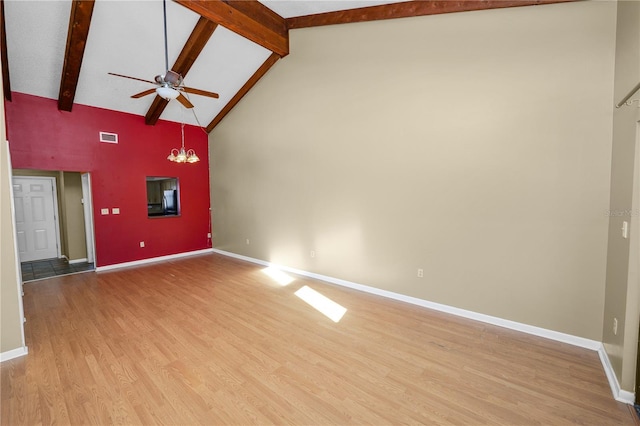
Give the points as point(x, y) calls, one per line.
point(167, 92)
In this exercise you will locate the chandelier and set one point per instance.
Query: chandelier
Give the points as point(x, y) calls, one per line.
point(181, 155)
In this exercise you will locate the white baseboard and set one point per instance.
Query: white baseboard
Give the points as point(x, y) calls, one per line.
point(153, 260)
point(14, 353)
point(71, 262)
point(619, 395)
point(513, 325)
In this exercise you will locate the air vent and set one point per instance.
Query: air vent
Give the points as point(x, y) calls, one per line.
point(108, 137)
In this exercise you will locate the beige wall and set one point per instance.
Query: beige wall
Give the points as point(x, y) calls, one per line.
point(11, 336)
point(476, 146)
point(622, 264)
point(74, 216)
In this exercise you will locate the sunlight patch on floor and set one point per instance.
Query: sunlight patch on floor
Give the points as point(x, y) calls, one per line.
point(278, 276)
point(323, 304)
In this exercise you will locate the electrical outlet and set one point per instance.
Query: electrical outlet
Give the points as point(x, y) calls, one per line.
point(141, 243)
point(248, 242)
point(625, 229)
point(615, 326)
point(420, 273)
point(312, 253)
point(208, 234)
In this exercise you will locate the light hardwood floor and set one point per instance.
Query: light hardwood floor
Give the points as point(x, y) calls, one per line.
point(213, 340)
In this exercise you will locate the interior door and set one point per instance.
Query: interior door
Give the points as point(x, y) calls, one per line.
point(36, 219)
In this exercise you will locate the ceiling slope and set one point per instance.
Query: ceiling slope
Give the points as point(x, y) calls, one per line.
point(225, 46)
point(79, 23)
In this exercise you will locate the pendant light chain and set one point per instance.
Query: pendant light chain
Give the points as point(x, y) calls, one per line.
point(182, 130)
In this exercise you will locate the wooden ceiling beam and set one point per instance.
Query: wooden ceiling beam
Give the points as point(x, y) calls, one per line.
point(6, 81)
point(198, 39)
point(406, 9)
point(271, 60)
point(79, 22)
point(248, 18)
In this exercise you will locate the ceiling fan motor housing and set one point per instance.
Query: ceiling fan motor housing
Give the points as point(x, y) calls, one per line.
point(171, 77)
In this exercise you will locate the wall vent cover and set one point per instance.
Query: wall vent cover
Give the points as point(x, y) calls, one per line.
point(108, 137)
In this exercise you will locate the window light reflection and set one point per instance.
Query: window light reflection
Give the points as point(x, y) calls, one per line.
point(278, 276)
point(323, 304)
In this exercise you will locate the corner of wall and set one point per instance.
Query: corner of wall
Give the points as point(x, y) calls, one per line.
point(622, 287)
point(11, 313)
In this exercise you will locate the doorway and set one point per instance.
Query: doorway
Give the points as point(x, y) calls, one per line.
point(73, 210)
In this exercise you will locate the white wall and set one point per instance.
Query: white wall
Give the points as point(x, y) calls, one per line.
point(476, 146)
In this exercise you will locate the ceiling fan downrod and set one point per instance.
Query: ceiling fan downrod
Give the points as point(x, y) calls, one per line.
point(166, 46)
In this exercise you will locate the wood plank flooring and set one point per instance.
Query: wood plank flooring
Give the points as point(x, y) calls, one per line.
point(213, 340)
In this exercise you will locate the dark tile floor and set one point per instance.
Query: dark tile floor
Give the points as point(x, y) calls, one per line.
point(47, 268)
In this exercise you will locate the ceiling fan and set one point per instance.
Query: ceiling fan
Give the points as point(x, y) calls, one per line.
point(170, 84)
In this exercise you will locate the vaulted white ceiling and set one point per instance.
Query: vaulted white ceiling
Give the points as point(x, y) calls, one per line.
point(127, 37)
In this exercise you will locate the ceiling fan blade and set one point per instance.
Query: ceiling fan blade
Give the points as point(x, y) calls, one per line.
point(145, 93)
point(132, 78)
point(184, 101)
point(200, 92)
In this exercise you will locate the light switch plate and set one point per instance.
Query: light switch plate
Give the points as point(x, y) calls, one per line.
point(104, 211)
point(115, 210)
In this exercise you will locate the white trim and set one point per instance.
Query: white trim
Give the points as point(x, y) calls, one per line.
point(153, 260)
point(14, 353)
point(87, 212)
point(56, 209)
point(525, 328)
point(71, 262)
point(619, 394)
point(16, 252)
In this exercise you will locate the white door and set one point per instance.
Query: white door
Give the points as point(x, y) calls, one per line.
point(36, 217)
point(87, 204)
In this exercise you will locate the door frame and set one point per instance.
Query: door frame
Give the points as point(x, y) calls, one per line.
point(87, 208)
point(634, 239)
point(56, 210)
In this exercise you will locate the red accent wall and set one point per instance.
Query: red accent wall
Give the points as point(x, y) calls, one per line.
point(41, 137)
